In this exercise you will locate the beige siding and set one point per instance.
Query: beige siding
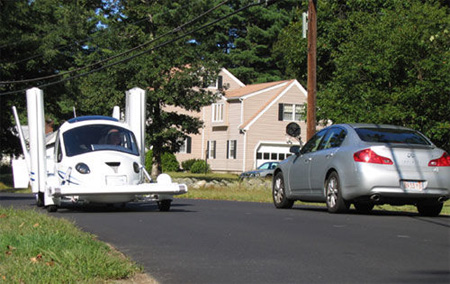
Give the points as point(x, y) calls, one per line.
point(259, 117)
point(269, 129)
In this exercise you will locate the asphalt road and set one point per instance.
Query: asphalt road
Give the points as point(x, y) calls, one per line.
point(202, 241)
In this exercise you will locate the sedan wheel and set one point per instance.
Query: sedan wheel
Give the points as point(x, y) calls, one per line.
point(335, 201)
point(430, 209)
point(278, 193)
point(363, 207)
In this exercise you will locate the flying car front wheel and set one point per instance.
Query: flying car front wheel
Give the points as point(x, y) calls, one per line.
point(164, 205)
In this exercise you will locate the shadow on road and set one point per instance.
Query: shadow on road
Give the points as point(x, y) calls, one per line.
point(441, 220)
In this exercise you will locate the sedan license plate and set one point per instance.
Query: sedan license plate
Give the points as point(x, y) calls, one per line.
point(116, 180)
point(413, 185)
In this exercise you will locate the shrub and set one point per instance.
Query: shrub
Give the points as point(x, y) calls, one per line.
point(5, 169)
point(169, 162)
point(199, 167)
point(149, 160)
point(186, 165)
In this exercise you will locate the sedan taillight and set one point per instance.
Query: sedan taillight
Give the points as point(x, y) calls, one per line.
point(369, 156)
point(443, 161)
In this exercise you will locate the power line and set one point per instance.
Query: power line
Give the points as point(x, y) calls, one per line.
point(142, 52)
point(177, 29)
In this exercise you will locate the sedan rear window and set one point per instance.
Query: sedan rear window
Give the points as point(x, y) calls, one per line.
point(390, 135)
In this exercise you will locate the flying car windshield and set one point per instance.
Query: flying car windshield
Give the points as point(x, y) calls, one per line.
point(97, 137)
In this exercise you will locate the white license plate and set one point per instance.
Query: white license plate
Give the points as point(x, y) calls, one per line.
point(413, 185)
point(116, 180)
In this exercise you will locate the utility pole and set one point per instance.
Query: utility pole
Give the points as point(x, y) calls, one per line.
point(312, 47)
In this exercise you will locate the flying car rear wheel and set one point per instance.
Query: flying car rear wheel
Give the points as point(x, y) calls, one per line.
point(52, 208)
point(164, 205)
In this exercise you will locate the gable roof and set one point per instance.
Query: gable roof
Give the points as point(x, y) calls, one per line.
point(251, 89)
point(232, 77)
point(285, 86)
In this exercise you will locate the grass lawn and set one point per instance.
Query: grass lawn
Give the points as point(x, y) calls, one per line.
point(37, 248)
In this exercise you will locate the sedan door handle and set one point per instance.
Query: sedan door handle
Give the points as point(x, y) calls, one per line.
point(308, 160)
point(330, 155)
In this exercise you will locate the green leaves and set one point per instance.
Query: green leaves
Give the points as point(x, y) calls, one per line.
point(381, 62)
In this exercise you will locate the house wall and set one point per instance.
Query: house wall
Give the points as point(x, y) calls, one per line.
point(263, 130)
point(268, 129)
point(221, 133)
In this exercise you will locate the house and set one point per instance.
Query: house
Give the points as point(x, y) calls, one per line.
point(247, 125)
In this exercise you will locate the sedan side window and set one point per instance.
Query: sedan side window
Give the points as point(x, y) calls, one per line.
point(313, 144)
point(333, 139)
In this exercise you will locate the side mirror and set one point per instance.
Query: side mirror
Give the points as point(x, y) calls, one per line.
point(295, 150)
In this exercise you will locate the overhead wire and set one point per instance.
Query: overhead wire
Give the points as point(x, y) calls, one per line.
point(62, 47)
point(175, 30)
point(144, 51)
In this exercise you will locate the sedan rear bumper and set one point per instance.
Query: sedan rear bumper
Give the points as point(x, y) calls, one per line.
point(376, 182)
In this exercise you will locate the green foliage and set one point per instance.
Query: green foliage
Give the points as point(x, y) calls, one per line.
point(379, 62)
point(186, 165)
point(243, 43)
point(169, 162)
point(200, 166)
point(149, 161)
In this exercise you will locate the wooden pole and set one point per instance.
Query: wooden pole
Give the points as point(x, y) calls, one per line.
point(312, 46)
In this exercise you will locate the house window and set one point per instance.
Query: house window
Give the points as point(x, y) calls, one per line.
point(211, 150)
point(231, 149)
point(291, 112)
point(217, 112)
point(186, 147)
point(218, 84)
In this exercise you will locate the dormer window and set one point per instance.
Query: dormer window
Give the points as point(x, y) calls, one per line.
point(218, 84)
point(218, 112)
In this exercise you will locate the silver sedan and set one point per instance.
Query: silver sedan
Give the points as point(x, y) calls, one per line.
point(365, 164)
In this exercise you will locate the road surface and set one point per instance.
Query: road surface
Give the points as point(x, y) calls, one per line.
point(201, 241)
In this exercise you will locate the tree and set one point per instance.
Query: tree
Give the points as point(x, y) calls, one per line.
point(379, 61)
point(175, 74)
point(243, 43)
point(393, 68)
point(39, 39)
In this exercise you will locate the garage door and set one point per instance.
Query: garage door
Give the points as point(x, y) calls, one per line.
point(271, 152)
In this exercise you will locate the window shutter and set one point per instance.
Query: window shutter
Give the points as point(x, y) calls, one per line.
point(280, 112)
point(214, 152)
point(228, 149)
point(188, 145)
point(235, 149)
point(220, 83)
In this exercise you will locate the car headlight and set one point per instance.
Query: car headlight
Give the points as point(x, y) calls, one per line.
point(82, 168)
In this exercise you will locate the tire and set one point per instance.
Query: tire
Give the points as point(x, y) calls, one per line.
point(52, 208)
point(164, 205)
point(335, 201)
point(40, 199)
point(279, 194)
point(363, 207)
point(429, 209)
